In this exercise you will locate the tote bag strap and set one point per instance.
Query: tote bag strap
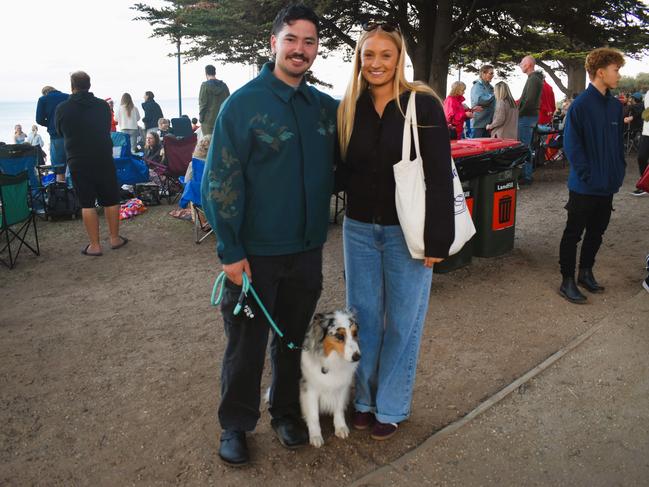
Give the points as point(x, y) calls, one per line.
point(410, 130)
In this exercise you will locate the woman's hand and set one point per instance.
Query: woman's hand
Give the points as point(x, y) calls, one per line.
point(429, 261)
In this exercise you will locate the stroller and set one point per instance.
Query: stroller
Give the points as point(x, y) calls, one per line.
point(548, 144)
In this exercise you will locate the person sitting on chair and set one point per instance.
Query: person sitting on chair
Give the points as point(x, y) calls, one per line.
point(152, 147)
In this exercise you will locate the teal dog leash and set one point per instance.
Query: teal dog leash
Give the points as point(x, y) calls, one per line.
point(246, 287)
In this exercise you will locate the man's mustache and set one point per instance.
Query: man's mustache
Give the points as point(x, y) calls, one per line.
point(298, 56)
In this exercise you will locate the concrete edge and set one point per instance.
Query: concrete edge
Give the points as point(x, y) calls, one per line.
point(394, 467)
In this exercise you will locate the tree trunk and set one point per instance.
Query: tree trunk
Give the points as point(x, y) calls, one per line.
point(439, 55)
point(420, 57)
point(576, 75)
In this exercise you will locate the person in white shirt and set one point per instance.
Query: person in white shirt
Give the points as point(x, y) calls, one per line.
point(127, 117)
point(34, 138)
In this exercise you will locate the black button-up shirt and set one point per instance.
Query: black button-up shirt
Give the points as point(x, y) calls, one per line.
point(376, 145)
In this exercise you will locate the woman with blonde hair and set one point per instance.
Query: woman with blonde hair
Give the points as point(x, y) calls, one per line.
point(19, 135)
point(505, 121)
point(386, 287)
point(455, 110)
point(127, 116)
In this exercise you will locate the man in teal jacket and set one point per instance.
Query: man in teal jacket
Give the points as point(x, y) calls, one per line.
point(266, 191)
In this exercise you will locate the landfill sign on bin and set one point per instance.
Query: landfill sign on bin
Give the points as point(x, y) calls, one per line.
point(504, 207)
point(468, 198)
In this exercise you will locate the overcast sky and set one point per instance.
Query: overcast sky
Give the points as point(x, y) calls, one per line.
point(43, 41)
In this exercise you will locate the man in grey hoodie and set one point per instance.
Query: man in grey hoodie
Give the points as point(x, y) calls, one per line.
point(528, 110)
point(213, 93)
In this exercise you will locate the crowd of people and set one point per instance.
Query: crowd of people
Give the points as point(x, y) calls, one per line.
point(81, 145)
point(278, 150)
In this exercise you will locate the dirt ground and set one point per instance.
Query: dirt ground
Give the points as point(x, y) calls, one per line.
point(110, 365)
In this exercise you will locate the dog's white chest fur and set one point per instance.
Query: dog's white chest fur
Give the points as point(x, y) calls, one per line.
point(329, 359)
point(329, 378)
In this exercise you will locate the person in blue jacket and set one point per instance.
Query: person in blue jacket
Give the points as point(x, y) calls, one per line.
point(483, 101)
point(266, 190)
point(45, 110)
point(594, 145)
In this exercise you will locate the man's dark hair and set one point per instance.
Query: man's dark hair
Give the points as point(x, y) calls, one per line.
point(290, 14)
point(210, 70)
point(149, 95)
point(80, 81)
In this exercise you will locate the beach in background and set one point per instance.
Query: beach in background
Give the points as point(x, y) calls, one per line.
point(24, 113)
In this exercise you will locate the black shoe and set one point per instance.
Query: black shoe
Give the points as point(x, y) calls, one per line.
point(524, 182)
point(234, 449)
point(290, 431)
point(587, 279)
point(570, 291)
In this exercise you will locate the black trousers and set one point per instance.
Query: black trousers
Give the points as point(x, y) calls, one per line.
point(643, 153)
point(589, 213)
point(289, 286)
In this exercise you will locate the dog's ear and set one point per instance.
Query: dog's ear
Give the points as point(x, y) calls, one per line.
point(322, 321)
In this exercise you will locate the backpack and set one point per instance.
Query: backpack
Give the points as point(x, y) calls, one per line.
point(148, 193)
point(61, 201)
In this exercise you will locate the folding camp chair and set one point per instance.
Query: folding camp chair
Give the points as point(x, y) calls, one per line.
point(192, 194)
point(130, 168)
point(181, 127)
point(178, 155)
point(16, 212)
point(16, 158)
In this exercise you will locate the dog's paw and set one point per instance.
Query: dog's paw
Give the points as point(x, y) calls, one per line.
point(342, 432)
point(316, 441)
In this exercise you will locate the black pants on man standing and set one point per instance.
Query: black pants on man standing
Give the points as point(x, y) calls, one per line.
point(289, 287)
point(585, 213)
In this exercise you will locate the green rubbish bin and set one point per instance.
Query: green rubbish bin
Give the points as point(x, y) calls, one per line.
point(463, 257)
point(495, 213)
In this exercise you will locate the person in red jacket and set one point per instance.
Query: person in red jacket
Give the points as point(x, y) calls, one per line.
point(548, 104)
point(113, 123)
point(454, 108)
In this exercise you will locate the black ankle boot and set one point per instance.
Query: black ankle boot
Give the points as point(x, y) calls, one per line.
point(570, 291)
point(234, 449)
point(587, 279)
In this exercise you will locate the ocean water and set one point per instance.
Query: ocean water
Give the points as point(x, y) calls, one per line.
point(24, 113)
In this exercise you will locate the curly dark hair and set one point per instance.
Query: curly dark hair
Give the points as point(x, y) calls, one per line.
point(601, 58)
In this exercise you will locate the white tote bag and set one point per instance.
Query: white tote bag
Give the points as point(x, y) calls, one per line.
point(410, 193)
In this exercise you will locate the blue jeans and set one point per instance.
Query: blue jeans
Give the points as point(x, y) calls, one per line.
point(389, 292)
point(58, 155)
point(525, 131)
point(479, 132)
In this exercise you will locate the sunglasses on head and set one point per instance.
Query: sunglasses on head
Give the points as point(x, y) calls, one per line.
point(386, 26)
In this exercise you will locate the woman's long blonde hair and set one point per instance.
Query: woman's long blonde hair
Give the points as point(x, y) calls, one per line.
point(502, 93)
point(357, 85)
point(127, 102)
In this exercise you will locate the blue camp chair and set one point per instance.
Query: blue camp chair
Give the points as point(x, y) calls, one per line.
point(17, 158)
point(192, 194)
point(16, 217)
point(131, 169)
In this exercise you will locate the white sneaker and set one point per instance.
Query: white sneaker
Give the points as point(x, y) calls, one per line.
point(638, 192)
point(645, 284)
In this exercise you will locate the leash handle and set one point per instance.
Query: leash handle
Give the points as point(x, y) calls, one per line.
point(246, 287)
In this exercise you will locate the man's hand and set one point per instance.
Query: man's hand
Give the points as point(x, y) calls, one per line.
point(235, 271)
point(477, 108)
point(429, 261)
